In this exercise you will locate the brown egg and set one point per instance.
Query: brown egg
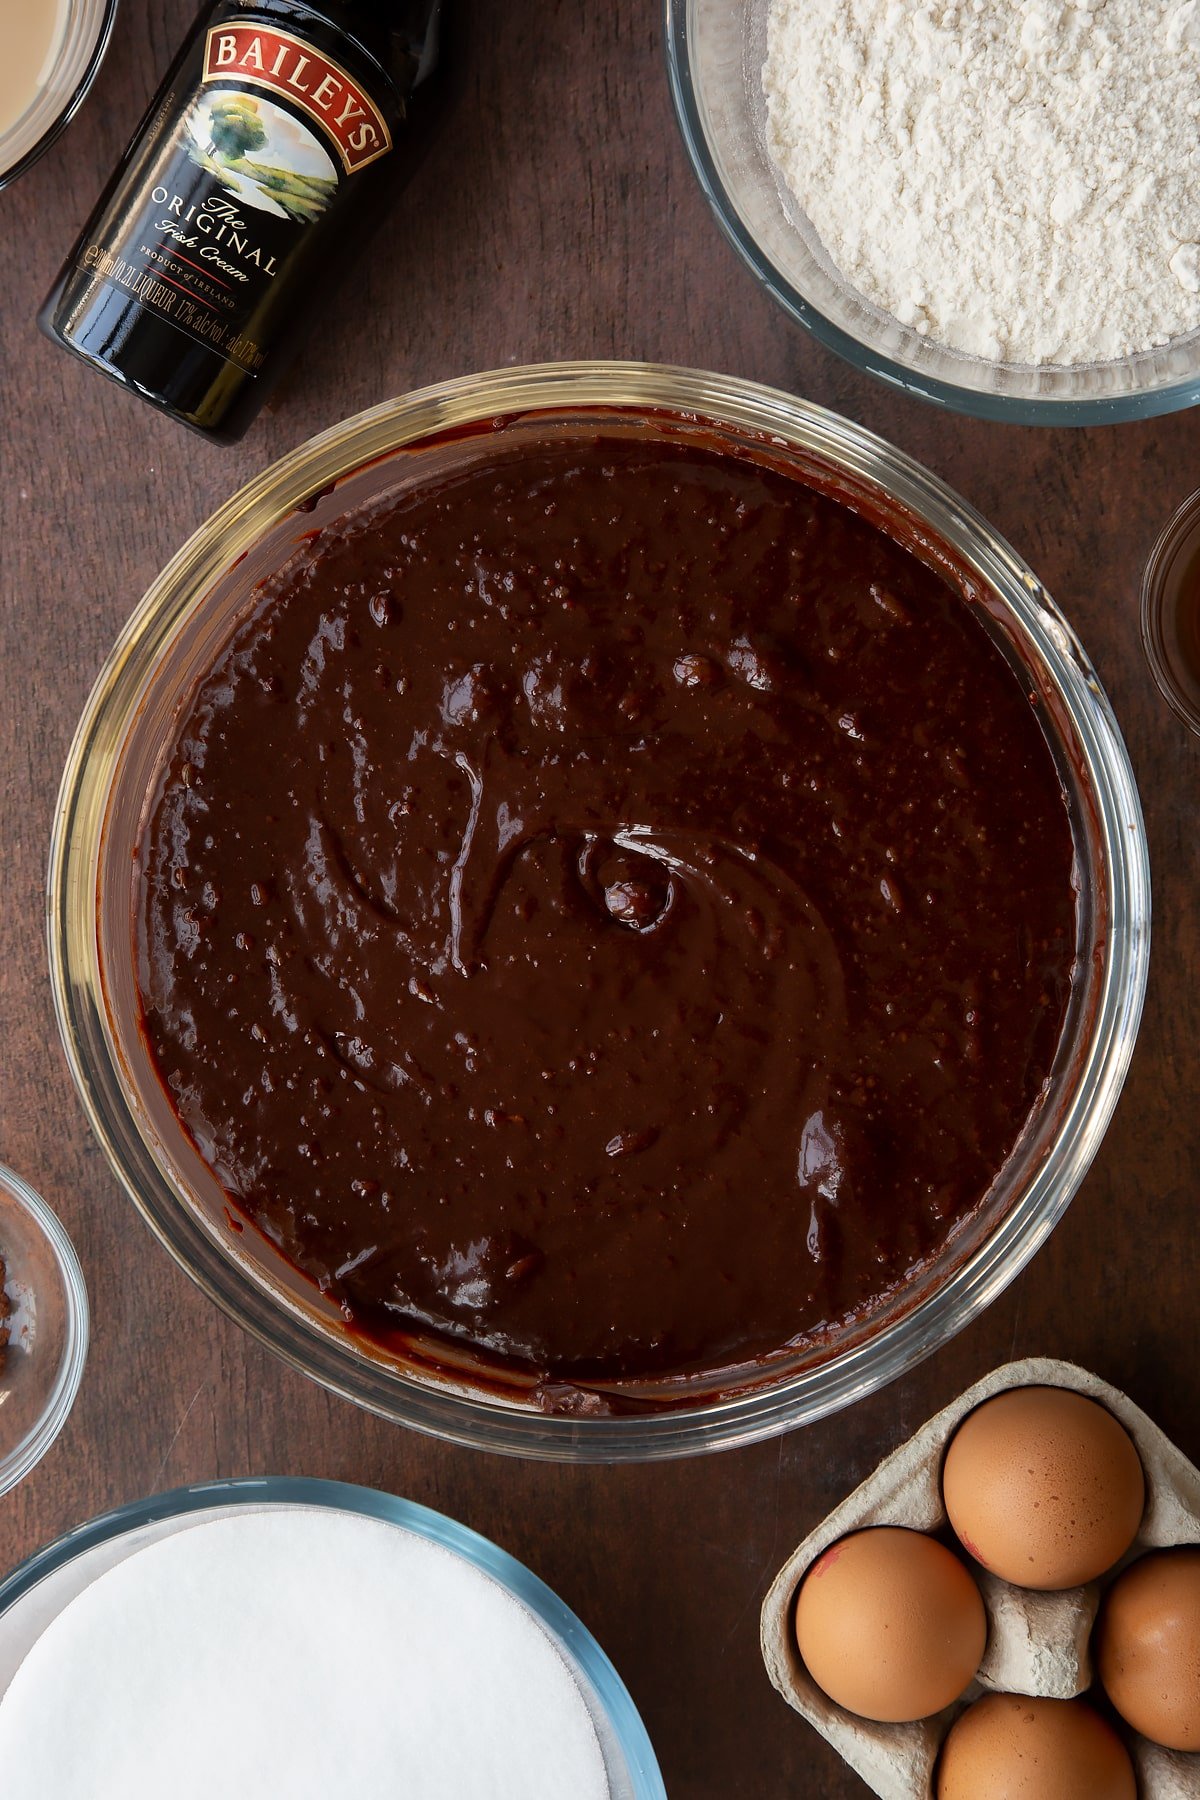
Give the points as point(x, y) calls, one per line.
point(890, 1624)
point(1043, 1487)
point(1148, 1653)
point(1009, 1747)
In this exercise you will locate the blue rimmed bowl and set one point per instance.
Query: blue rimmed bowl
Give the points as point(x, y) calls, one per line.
point(40, 1588)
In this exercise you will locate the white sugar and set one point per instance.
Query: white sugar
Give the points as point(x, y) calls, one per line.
point(291, 1654)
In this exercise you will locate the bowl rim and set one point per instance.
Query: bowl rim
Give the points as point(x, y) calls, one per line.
point(257, 1491)
point(58, 124)
point(953, 396)
point(309, 471)
point(25, 1455)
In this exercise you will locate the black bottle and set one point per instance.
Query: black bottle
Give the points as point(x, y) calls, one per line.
point(264, 160)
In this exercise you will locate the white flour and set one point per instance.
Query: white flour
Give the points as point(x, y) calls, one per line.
point(1019, 179)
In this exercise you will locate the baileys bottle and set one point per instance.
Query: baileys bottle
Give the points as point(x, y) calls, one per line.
point(278, 130)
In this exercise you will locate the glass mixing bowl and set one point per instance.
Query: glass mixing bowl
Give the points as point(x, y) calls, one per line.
point(715, 54)
point(172, 640)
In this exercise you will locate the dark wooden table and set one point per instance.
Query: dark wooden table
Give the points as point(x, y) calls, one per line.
point(557, 217)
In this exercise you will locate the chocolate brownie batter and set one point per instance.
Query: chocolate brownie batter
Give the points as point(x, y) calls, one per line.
point(611, 908)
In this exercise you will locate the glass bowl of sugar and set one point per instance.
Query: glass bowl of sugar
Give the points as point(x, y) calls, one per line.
point(52, 52)
point(332, 1639)
point(1004, 224)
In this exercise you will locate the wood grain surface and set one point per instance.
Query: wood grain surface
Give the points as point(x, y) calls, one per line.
point(556, 217)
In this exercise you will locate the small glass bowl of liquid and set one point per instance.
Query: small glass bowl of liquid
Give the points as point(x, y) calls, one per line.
point(51, 52)
point(1171, 612)
point(43, 1325)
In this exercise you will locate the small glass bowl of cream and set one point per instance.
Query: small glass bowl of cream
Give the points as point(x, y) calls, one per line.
point(46, 1321)
point(52, 51)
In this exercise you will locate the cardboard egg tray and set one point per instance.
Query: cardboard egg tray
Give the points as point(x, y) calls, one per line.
point(1038, 1643)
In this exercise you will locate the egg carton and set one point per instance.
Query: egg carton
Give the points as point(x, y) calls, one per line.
point(1038, 1643)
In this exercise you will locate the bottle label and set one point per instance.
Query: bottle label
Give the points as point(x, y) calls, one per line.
point(228, 185)
point(257, 56)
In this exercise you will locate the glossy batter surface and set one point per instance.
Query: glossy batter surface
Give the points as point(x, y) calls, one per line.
point(613, 909)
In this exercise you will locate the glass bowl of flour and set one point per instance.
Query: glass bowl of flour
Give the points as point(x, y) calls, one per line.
point(993, 205)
